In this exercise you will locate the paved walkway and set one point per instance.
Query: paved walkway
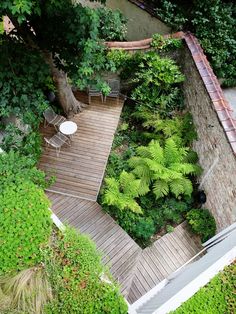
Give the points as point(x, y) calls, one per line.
point(79, 170)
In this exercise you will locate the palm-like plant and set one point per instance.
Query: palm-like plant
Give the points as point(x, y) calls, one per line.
point(165, 169)
point(122, 192)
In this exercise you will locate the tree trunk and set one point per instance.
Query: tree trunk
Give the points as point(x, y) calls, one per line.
point(66, 98)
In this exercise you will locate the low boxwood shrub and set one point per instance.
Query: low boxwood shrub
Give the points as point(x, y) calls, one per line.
point(75, 270)
point(25, 226)
point(202, 222)
point(218, 296)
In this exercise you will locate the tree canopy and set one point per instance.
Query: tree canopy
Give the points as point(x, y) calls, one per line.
point(51, 45)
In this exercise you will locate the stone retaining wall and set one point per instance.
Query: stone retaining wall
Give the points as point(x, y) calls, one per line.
point(215, 153)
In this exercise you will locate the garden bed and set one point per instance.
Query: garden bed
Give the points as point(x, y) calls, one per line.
point(150, 177)
point(218, 296)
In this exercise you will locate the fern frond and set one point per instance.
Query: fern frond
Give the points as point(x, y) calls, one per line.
point(144, 187)
point(144, 152)
point(129, 185)
point(177, 187)
point(112, 184)
point(160, 188)
point(157, 152)
point(188, 187)
point(171, 152)
point(191, 157)
point(144, 173)
point(134, 207)
point(184, 168)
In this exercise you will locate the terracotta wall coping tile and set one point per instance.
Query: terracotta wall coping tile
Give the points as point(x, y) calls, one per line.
point(212, 85)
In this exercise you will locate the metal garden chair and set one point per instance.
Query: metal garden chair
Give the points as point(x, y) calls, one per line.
point(93, 91)
point(114, 85)
point(52, 118)
point(57, 141)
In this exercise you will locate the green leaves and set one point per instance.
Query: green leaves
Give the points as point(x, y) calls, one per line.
point(25, 225)
point(122, 192)
point(156, 78)
point(218, 296)
point(75, 269)
point(165, 167)
point(202, 222)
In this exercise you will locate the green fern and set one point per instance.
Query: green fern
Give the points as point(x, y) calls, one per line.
point(179, 127)
point(164, 168)
point(122, 192)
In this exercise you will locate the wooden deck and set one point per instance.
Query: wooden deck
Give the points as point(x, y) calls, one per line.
point(80, 167)
point(79, 170)
point(161, 259)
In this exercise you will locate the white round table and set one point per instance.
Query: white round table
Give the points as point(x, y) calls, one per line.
point(68, 128)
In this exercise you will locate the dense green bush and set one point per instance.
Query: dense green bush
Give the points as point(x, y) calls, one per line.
point(213, 22)
point(202, 222)
point(218, 296)
point(155, 78)
point(112, 24)
point(26, 143)
point(179, 127)
point(75, 270)
point(14, 169)
point(159, 171)
point(25, 225)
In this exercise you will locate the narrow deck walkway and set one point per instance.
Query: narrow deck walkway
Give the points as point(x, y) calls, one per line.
point(79, 171)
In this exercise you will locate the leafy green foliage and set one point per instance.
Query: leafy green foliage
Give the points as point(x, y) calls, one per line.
point(165, 44)
point(141, 122)
point(122, 192)
point(28, 143)
point(15, 169)
point(218, 296)
point(180, 127)
point(145, 228)
point(213, 22)
point(118, 58)
point(112, 24)
point(21, 87)
point(171, 13)
point(155, 78)
point(202, 222)
point(25, 225)
point(75, 270)
point(165, 169)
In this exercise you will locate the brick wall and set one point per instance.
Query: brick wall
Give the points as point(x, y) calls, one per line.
point(215, 153)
